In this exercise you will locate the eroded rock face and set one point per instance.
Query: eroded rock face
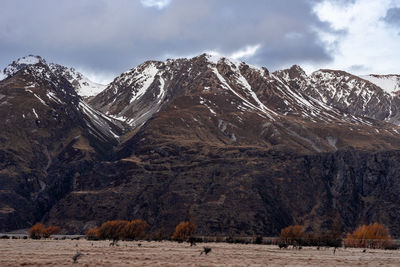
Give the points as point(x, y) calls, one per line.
point(243, 191)
point(236, 148)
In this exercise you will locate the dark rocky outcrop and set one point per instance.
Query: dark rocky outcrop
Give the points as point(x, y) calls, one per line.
point(239, 191)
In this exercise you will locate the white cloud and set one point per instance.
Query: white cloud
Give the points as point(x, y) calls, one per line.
point(243, 53)
point(247, 52)
point(160, 4)
point(363, 39)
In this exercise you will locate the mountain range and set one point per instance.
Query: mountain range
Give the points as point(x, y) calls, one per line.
point(234, 147)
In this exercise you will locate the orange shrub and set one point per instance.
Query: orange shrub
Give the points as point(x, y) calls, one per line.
point(374, 235)
point(135, 229)
point(35, 232)
point(119, 229)
point(183, 231)
point(292, 233)
point(112, 229)
point(38, 231)
point(92, 234)
point(51, 230)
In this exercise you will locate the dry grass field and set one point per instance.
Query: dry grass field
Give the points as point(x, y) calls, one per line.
point(26, 252)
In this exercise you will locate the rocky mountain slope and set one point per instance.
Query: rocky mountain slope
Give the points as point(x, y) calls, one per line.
point(236, 148)
point(346, 92)
point(48, 133)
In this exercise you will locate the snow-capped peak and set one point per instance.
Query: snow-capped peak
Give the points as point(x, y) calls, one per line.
point(20, 63)
point(83, 86)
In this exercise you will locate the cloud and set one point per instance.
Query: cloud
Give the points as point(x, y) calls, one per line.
point(106, 36)
point(393, 16)
point(358, 35)
point(160, 4)
point(246, 52)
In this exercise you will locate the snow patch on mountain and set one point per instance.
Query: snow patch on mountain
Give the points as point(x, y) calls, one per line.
point(34, 112)
point(89, 88)
point(97, 121)
point(162, 92)
point(146, 78)
point(389, 83)
point(83, 86)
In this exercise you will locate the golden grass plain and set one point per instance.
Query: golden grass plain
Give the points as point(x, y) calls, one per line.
point(28, 252)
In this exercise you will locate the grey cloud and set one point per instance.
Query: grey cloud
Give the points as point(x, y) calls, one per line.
point(393, 16)
point(359, 68)
point(112, 36)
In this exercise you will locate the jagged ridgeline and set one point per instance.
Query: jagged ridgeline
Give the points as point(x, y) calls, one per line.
point(233, 147)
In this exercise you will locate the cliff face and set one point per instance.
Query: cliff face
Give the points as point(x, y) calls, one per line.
point(234, 147)
point(238, 190)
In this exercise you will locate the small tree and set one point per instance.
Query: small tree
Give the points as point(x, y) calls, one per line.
point(291, 234)
point(35, 232)
point(374, 235)
point(38, 231)
point(51, 230)
point(112, 229)
point(183, 231)
point(118, 229)
point(135, 229)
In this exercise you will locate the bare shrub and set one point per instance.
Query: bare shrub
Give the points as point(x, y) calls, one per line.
point(183, 231)
point(258, 240)
point(76, 256)
point(324, 239)
point(206, 250)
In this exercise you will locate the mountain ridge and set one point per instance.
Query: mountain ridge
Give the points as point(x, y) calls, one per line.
point(238, 149)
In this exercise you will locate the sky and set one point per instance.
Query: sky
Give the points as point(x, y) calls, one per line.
point(103, 38)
